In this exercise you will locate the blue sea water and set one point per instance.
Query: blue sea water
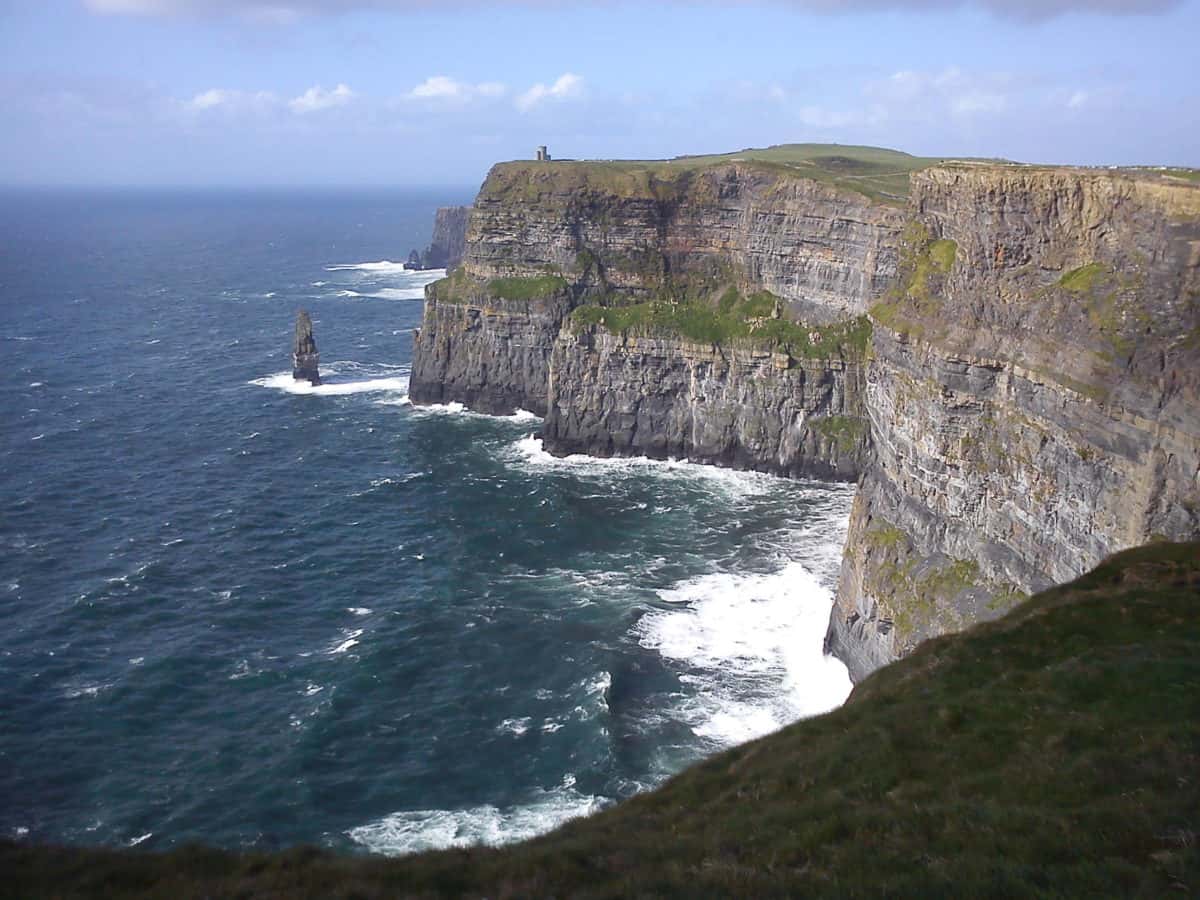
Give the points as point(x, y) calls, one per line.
point(252, 613)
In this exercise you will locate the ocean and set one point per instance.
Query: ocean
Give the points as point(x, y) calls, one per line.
point(252, 613)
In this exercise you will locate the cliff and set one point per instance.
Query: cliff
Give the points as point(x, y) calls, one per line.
point(705, 308)
point(1033, 394)
point(445, 250)
point(1008, 356)
point(1008, 761)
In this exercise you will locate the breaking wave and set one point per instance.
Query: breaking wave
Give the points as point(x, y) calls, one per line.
point(416, 830)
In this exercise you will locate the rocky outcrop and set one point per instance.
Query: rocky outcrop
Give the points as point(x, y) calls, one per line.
point(1034, 398)
point(742, 407)
point(305, 359)
point(445, 250)
point(488, 352)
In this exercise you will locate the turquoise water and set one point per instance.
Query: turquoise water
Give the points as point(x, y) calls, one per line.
point(252, 613)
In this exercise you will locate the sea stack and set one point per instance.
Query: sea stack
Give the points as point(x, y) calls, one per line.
point(304, 351)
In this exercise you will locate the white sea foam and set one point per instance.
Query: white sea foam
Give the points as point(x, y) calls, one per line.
point(283, 381)
point(358, 610)
point(417, 830)
point(350, 639)
point(753, 643)
point(515, 727)
point(383, 266)
point(528, 453)
point(137, 840)
point(36, 384)
point(399, 293)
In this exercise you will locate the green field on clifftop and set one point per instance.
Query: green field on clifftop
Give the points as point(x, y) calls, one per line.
point(1053, 753)
point(878, 173)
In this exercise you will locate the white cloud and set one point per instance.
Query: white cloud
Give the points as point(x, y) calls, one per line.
point(442, 87)
point(1078, 100)
point(567, 87)
point(949, 91)
point(316, 98)
point(224, 98)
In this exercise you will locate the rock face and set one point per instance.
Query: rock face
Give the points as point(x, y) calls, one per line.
point(445, 250)
point(1028, 401)
point(614, 395)
point(305, 358)
point(825, 252)
point(487, 352)
point(1034, 398)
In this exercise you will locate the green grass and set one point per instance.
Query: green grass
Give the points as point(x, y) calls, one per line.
point(459, 287)
point(1084, 279)
point(881, 175)
point(733, 320)
point(1051, 753)
point(526, 288)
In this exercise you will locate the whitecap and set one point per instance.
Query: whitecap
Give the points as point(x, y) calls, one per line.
point(383, 266)
point(350, 639)
point(358, 610)
point(515, 727)
point(413, 831)
point(404, 293)
point(37, 384)
point(283, 381)
point(137, 840)
point(528, 453)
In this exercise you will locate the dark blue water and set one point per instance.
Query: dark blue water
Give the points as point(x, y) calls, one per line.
point(250, 613)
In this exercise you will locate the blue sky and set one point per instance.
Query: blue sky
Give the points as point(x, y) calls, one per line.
point(411, 92)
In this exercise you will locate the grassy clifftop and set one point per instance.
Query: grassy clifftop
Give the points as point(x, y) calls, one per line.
point(877, 173)
point(1053, 752)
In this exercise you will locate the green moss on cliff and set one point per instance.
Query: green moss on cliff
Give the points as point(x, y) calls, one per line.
point(459, 287)
point(756, 320)
point(526, 288)
point(1084, 279)
point(912, 306)
point(1051, 753)
point(844, 431)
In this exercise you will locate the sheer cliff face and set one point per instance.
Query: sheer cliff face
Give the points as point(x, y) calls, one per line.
point(1034, 398)
point(827, 253)
point(445, 250)
point(614, 395)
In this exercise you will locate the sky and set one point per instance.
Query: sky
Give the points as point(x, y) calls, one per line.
point(432, 92)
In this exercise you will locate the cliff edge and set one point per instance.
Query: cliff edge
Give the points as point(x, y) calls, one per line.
point(1033, 396)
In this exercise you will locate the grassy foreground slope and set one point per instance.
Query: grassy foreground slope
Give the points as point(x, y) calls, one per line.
point(1055, 752)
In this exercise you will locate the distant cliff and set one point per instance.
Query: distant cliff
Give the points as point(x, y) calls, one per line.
point(710, 310)
point(445, 250)
point(1007, 356)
